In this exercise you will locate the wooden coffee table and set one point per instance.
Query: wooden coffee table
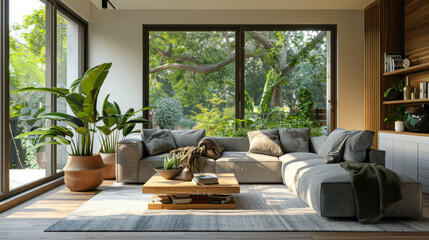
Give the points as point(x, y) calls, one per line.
point(228, 184)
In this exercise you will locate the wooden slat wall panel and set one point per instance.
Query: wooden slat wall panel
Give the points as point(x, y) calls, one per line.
point(417, 30)
point(372, 69)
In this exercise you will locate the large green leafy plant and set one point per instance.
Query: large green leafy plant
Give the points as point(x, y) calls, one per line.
point(82, 99)
point(114, 122)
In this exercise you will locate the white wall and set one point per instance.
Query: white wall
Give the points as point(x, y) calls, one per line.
point(116, 36)
point(81, 7)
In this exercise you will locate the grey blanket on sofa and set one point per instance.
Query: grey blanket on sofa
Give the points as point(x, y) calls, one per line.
point(193, 157)
point(375, 188)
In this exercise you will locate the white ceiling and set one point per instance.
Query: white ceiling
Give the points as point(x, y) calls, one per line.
point(237, 4)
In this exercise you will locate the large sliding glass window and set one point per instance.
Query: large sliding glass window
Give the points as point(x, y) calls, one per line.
point(192, 80)
point(69, 68)
point(285, 63)
point(27, 67)
point(44, 49)
point(230, 78)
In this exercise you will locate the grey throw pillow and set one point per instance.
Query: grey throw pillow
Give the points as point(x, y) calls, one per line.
point(332, 148)
point(186, 138)
point(265, 142)
point(295, 140)
point(357, 145)
point(316, 142)
point(157, 141)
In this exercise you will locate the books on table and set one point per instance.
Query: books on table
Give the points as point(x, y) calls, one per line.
point(180, 199)
point(219, 198)
point(205, 178)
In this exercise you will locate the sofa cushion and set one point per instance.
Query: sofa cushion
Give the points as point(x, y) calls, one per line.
point(295, 140)
point(293, 171)
point(297, 156)
point(357, 145)
point(238, 144)
point(316, 142)
point(328, 190)
point(332, 148)
point(250, 167)
point(147, 165)
point(265, 142)
point(186, 138)
point(157, 141)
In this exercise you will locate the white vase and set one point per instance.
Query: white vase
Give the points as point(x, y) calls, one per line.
point(399, 126)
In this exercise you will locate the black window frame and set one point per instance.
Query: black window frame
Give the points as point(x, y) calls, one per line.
point(52, 7)
point(240, 59)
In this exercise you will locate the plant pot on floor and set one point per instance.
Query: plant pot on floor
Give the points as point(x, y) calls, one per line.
point(83, 173)
point(109, 160)
point(399, 126)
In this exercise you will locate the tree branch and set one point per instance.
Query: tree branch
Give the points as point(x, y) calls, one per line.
point(266, 42)
point(228, 43)
point(199, 68)
point(296, 59)
point(179, 59)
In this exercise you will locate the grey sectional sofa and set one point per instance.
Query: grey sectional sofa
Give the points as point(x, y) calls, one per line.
point(324, 187)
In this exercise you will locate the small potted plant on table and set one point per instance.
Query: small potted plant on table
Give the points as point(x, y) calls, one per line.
point(171, 167)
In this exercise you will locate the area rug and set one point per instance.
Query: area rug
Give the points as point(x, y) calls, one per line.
point(258, 208)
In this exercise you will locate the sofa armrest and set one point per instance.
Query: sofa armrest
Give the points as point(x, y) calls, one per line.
point(128, 154)
point(377, 156)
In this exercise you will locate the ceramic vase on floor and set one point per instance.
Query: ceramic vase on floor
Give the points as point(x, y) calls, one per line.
point(83, 173)
point(109, 160)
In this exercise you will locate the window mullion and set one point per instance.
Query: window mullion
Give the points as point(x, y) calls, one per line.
point(4, 110)
point(51, 68)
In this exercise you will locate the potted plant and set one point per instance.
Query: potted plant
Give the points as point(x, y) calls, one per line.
point(395, 92)
point(396, 114)
point(114, 122)
point(84, 170)
point(171, 168)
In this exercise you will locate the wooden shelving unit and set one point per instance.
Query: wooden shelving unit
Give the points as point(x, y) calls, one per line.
point(401, 27)
point(425, 100)
point(410, 70)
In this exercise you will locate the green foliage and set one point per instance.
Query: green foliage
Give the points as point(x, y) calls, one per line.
point(213, 120)
point(113, 122)
point(168, 113)
point(396, 87)
point(85, 111)
point(171, 161)
point(186, 123)
point(395, 114)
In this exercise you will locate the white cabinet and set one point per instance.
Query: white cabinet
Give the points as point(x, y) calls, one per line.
point(407, 154)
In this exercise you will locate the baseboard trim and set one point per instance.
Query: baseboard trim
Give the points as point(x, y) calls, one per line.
point(30, 194)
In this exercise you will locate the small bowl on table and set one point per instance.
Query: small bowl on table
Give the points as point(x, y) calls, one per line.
point(168, 173)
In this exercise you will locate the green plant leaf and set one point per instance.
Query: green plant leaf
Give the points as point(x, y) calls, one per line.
point(50, 132)
point(94, 78)
point(72, 121)
point(82, 130)
point(105, 130)
point(127, 129)
point(44, 143)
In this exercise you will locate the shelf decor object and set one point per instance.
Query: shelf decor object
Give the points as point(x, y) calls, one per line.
point(417, 119)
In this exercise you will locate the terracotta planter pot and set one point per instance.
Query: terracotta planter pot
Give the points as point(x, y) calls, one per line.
point(109, 160)
point(83, 173)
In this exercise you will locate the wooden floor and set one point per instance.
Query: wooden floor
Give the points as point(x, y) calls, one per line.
point(30, 219)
